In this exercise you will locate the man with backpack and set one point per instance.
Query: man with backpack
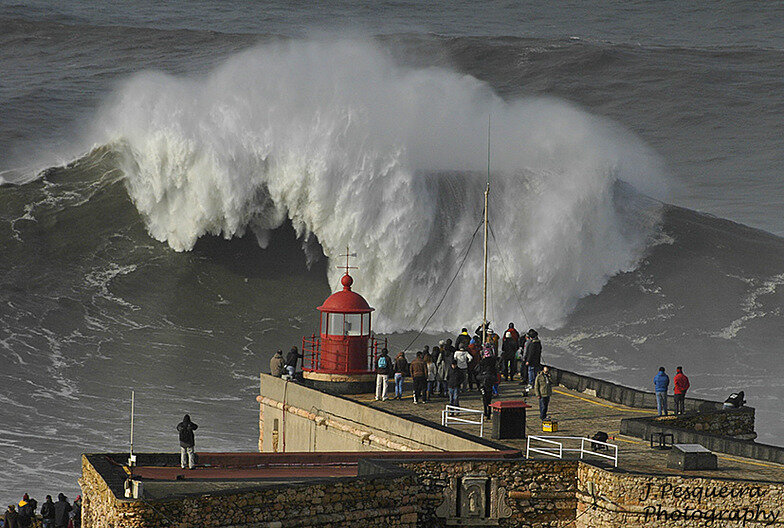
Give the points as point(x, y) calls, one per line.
point(383, 370)
point(27, 508)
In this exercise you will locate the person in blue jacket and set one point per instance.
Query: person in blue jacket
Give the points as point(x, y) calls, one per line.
point(660, 384)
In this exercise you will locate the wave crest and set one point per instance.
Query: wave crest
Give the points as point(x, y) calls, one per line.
point(357, 150)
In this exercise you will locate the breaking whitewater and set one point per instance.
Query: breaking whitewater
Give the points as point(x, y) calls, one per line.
point(196, 236)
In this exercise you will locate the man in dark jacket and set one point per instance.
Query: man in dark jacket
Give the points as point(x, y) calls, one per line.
point(509, 346)
point(47, 512)
point(11, 517)
point(418, 369)
point(454, 378)
point(462, 339)
point(187, 442)
point(291, 361)
point(61, 511)
point(487, 376)
point(26, 511)
point(401, 371)
point(532, 355)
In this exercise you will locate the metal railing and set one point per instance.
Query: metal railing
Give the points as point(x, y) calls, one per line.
point(450, 412)
point(312, 358)
point(558, 450)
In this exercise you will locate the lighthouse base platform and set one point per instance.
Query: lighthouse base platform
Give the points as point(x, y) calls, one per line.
point(340, 383)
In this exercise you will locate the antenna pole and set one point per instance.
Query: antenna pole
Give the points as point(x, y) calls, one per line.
point(132, 458)
point(487, 199)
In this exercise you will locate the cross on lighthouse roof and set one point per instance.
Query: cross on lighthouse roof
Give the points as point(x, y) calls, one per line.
point(347, 281)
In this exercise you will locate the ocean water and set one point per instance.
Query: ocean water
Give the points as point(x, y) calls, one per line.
point(177, 181)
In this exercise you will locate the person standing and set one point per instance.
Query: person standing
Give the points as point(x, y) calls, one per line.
point(401, 371)
point(487, 377)
point(418, 370)
point(276, 364)
point(291, 361)
point(661, 383)
point(680, 386)
point(26, 511)
point(543, 389)
point(77, 512)
point(463, 359)
point(383, 370)
point(476, 356)
point(441, 371)
point(509, 345)
point(454, 379)
point(432, 375)
point(62, 509)
point(11, 519)
point(463, 338)
point(187, 442)
point(532, 355)
point(47, 512)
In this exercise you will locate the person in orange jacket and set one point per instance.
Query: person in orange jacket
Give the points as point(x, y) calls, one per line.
point(681, 385)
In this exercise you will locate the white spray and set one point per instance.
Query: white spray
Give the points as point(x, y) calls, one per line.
point(359, 151)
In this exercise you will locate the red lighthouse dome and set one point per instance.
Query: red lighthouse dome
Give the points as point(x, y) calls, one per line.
point(342, 358)
point(346, 301)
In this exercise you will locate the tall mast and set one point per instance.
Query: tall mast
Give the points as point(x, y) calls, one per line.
point(487, 198)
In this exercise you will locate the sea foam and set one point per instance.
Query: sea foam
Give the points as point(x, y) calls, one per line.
point(357, 150)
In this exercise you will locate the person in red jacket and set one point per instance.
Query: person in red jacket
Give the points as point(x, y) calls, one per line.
point(679, 390)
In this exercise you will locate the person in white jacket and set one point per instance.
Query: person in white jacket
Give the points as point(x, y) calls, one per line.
point(463, 358)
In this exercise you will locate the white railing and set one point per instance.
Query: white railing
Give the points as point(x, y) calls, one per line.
point(558, 450)
point(451, 413)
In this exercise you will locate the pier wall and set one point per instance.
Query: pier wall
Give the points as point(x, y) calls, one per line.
point(317, 421)
point(628, 396)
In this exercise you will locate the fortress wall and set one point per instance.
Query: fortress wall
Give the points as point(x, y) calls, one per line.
point(388, 500)
point(317, 421)
point(608, 499)
point(532, 493)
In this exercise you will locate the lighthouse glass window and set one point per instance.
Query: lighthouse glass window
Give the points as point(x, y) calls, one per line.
point(352, 324)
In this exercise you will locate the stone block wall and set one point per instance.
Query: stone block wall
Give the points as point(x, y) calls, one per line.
point(388, 500)
point(735, 423)
point(610, 499)
point(535, 493)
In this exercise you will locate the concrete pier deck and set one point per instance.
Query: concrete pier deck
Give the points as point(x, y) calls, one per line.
point(581, 415)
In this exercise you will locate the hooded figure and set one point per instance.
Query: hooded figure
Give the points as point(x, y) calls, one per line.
point(187, 442)
point(291, 361)
point(61, 511)
point(276, 364)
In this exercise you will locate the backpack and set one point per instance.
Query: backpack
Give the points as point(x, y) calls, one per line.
point(383, 362)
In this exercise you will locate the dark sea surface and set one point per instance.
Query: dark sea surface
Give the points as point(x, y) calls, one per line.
point(174, 179)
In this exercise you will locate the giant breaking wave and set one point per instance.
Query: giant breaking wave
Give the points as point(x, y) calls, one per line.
point(359, 151)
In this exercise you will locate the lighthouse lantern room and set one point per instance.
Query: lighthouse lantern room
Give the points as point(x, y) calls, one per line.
point(342, 358)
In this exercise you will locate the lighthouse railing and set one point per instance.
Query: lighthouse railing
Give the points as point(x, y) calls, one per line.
point(337, 361)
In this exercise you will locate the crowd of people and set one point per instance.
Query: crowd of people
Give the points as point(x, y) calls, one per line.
point(448, 369)
point(60, 514)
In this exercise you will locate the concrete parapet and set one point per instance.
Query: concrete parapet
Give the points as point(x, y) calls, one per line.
point(628, 396)
point(317, 421)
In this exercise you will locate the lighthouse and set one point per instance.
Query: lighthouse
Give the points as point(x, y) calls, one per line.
point(342, 358)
